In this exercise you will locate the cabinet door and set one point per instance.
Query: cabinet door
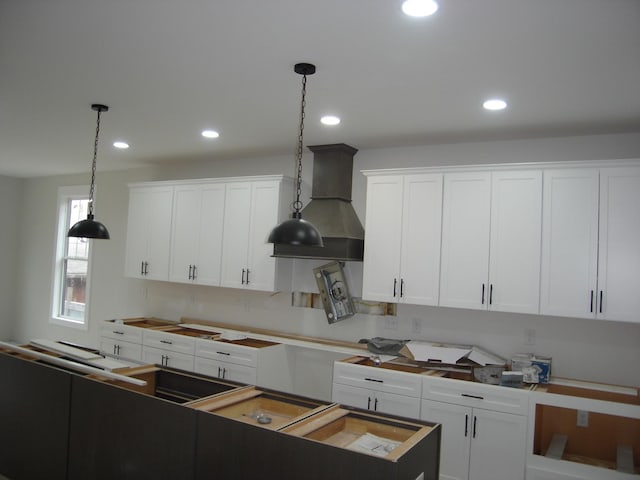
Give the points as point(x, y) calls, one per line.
point(456, 424)
point(158, 232)
point(131, 351)
point(619, 254)
point(167, 358)
point(149, 232)
point(352, 396)
point(227, 371)
point(235, 243)
point(383, 224)
point(393, 404)
point(136, 252)
point(421, 233)
point(498, 446)
point(516, 222)
point(465, 240)
point(264, 216)
point(569, 243)
point(209, 262)
point(184, 238)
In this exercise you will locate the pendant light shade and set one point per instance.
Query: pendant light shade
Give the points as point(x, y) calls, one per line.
point(90, 228)
point(296, 231)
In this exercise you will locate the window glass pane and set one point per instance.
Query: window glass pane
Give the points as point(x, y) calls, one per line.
point(74, 289)
point(77, 247)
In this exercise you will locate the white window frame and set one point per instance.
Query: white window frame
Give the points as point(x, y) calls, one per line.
point(65, 194)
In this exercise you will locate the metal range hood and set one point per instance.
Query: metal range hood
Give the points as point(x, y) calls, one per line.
point(330, 208)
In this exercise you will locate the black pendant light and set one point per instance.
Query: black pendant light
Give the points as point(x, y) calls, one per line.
point(296, 231)
point(89, 228)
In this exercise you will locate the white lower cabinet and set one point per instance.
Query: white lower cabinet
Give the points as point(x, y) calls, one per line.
point(226, 370)
point(167, 358)
point(122, 349)
point(478, 444)
point(377, 389)
point(250, 361)
point(376, 401)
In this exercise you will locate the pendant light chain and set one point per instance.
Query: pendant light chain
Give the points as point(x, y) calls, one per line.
point(298, 204)
point(93, 166)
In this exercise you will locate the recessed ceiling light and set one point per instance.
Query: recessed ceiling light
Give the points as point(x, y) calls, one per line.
point(121, 145)
point(495, 104)
point(330, 120)
point(419, 8)
point(210, 134)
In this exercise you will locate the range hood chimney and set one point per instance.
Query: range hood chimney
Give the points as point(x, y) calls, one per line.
point(330, 209)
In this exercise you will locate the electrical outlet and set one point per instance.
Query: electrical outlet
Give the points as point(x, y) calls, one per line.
point(529, 336)
point(390, 322)
point(583, 418)
point(416, 325)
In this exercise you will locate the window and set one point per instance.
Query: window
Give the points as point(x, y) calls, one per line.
point(72, 261)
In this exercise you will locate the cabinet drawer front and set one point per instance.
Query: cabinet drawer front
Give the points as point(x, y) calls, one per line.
point(227, 371)
point(122, 332)
point(227, 352)
point(167, 358)
point(132, 351)
point(490, 397)
point(169, 341)
point(379, 379)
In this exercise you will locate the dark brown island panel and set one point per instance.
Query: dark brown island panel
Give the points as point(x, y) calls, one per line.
point(182, 425)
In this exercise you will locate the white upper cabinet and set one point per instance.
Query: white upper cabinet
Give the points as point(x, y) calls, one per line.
point(383, 226)
point(569, 243)
point(252, 210)
point(465, 240)
point(514, 256)
point(591, 243)
point(618, 296)
point(149, 232)
point(402, 248)
point(491, 240)
point(208, 232)
point(196, 246)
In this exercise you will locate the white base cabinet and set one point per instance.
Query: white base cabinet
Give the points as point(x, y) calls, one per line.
point(484, 428)
point(376, 401)
point(167, 358)
point(478, 444)
point(376, 389)
point(226, 370)
point(119, 348)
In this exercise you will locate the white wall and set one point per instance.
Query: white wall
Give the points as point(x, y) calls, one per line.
point(10, 194)
point(587, 349)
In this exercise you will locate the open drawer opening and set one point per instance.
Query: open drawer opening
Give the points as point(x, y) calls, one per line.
point(174, 386)
point(266, 409)
point(371, 434)
point(591, 438)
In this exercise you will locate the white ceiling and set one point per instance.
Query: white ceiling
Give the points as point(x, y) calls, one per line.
point(169, 68)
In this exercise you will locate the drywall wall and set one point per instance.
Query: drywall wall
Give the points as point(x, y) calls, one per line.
point(585, 349)
point(10, 195)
